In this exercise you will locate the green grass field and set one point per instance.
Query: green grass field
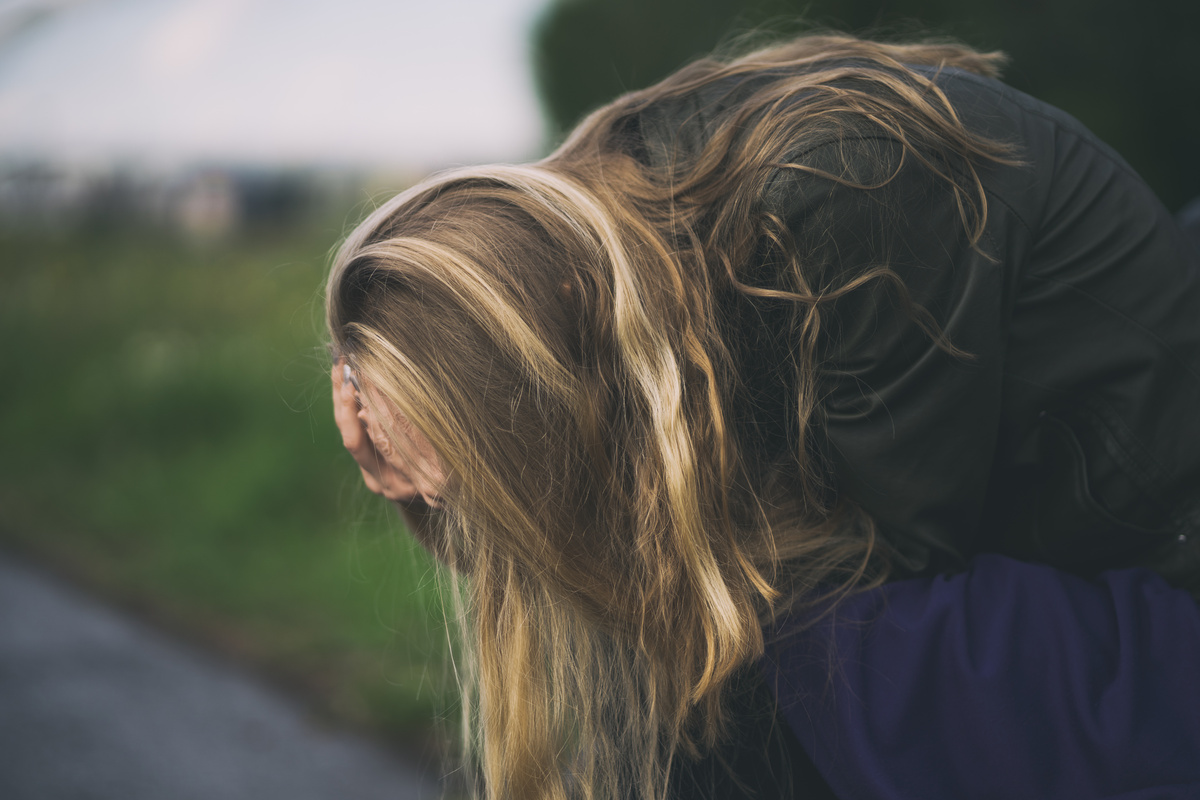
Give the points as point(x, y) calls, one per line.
point(168, 441)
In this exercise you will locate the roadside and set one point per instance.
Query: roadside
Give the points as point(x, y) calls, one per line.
point(96, 706)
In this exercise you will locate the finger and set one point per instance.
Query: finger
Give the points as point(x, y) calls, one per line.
point(388, 482)
point(406, 452)
point(389, 466)
point(345, 412)
point(373, 483)
point(352, 425)
point(380, 440)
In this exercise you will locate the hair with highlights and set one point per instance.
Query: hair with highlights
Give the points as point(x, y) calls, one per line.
point(561, 333)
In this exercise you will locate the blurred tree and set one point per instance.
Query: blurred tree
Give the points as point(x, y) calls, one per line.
point(1126, 72)
point(589, 51)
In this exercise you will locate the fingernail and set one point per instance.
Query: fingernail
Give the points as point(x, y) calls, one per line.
point(348, 377)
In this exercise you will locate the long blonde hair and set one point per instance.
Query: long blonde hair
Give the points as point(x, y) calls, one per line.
point(559, 332)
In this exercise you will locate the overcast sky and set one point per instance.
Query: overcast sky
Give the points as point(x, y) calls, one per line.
point(406, 83)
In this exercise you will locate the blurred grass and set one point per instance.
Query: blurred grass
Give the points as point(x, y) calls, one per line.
point(167, 439)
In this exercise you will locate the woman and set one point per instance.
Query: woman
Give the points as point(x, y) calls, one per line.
point(765, 333)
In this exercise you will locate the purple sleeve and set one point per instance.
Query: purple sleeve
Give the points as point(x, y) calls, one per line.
point(1009, 680)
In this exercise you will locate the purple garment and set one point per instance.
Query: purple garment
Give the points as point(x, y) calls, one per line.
point(1010, 680)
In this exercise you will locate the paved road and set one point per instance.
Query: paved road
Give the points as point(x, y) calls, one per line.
point(94, 706)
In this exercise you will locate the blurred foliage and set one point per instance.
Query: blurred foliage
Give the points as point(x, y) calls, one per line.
point(1128, 72)
point(167, 439)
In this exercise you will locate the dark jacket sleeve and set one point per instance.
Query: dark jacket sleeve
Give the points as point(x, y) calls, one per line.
point(1071, 434)
point(1009, 680)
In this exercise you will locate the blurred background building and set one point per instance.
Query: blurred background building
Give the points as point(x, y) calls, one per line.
point(204, 112)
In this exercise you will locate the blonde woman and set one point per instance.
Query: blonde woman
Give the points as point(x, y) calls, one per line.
point(756, 338)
